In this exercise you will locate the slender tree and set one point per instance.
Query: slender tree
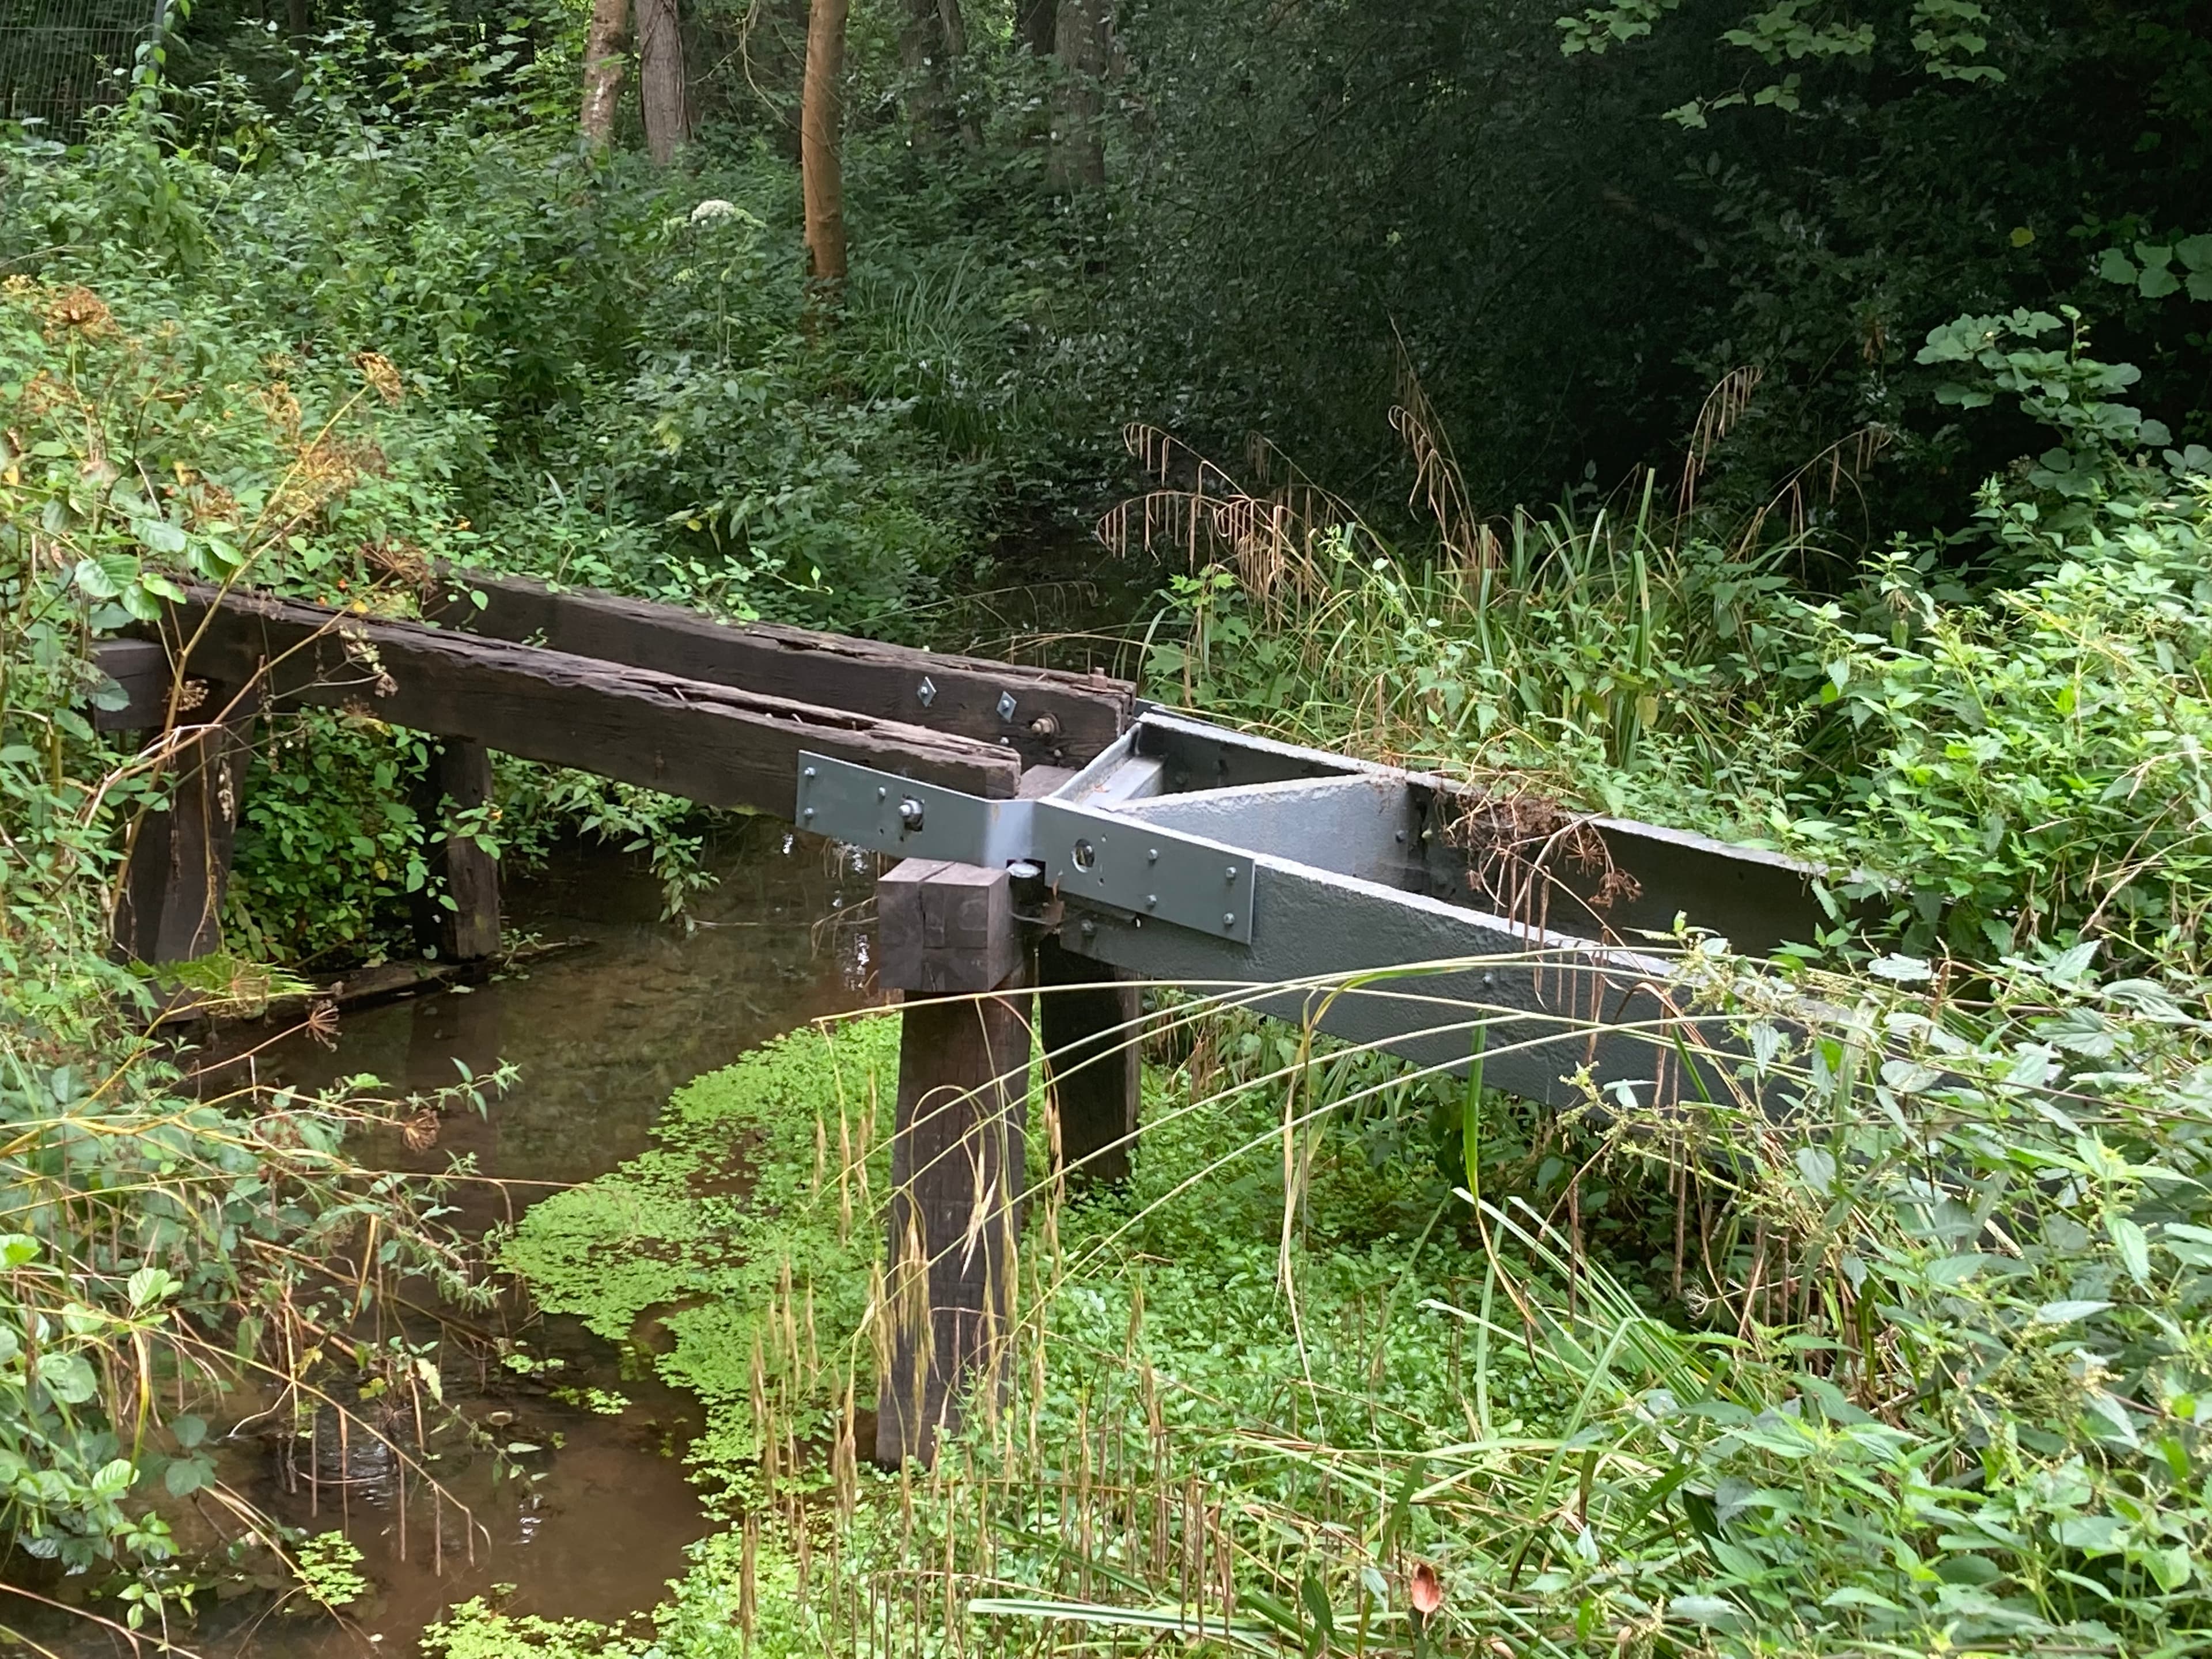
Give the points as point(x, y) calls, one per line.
point(603, 69)
point(1033, 21)
point(1083, 32)
point(663, 87)
point(822, 178)
point(931, 43)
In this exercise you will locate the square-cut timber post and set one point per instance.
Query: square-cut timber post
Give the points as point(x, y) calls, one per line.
point(460, 782)
point(170, 908)
point(946, 937)
point(1088, 1018)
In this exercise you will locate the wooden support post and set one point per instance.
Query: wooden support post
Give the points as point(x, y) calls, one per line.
point(946, 937)
point(460, 780)
point(1092, 1060)
point(170, 909)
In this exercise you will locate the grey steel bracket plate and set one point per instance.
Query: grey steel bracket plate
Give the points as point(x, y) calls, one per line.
point(1089, 855)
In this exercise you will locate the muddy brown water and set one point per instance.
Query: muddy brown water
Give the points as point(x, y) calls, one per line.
point(593, 1522)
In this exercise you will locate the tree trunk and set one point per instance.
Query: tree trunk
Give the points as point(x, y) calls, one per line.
point(1033, 26)
point(299, 17)
point(956, 29)
point(603, 69)
point(929, 75)
point(821, 170)
point(931, 43)
point(1081, 32)
point(665, 89)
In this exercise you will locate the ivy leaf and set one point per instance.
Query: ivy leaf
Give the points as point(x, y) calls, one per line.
point(2115, 266)
point(158, 536)
point(96, 580)
point(2066, 1312)
point(2157, 282)
point(113, 1478)
point(67, 1377)
point(187, 1475)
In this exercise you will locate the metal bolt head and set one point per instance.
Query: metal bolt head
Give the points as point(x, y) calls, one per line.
point(1005, 705)
point(1151, 901)
point(1089, 929)
point(808, 813)
point(925, 693)
point(1228, 918)
point(1230, 875)
point(808, 772)
point(1152, 855)
point(909, 814)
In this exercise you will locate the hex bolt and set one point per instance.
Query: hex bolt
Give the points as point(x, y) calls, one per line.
point(883, 795)
point(1151, 901)
point(808, 772)
point(910, 813)
point(1089, 929)
point(1232, 874)
point(1044, 726)
point(808, 813)
point(1228, 918)
point(1152, 855)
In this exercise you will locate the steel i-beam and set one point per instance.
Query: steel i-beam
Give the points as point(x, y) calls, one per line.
point(1390, 908)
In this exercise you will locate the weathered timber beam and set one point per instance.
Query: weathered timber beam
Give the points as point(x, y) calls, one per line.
point(459, 780)
point(1054, 719)
point(1089, 1026)
point(141, 668)
point(712, 743)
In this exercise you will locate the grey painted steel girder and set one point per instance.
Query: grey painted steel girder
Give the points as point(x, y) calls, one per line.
point(1388, 908)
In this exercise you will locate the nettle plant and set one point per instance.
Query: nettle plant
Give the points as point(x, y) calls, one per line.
point(2062, 387)
point(2029, 763)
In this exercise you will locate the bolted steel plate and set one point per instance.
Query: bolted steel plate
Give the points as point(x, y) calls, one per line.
point(1090, 855)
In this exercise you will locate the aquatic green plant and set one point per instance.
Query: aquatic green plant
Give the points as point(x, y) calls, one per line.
point(738, 1249)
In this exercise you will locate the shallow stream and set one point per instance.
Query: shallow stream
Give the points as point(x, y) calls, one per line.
point(593, 1520)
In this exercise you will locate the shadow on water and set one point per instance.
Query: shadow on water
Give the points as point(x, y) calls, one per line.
point(591, 1517)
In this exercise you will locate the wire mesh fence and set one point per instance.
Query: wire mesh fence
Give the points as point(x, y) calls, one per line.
point(60, 59)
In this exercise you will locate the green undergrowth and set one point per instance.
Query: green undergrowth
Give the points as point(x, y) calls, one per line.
point(1930, 1375)
point(1156, 1335)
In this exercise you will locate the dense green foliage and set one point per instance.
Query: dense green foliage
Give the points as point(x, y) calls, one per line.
point(1893, 321)
point(165, 1245)
point(1332, 195)
point(2012, 764)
